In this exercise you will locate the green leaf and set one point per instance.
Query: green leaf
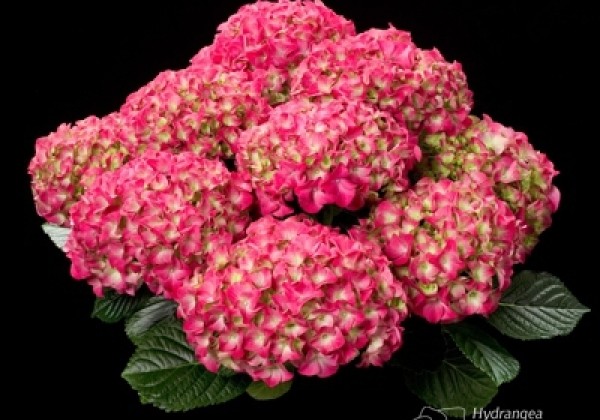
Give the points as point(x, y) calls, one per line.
point(260, 391)
point(114, 307)
point(155, 310)
point(535, 306)
point(165, 373)
point(455, 388)
point(57, 234)
point(484, 352)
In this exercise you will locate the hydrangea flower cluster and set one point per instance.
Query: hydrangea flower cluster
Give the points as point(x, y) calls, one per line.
point(334, 152)
point(293, 292)
point(521, 175)
point(68, 160)
point(155, 220)
point(202, 110)
point(385, 68)
point(451, 243)
point(214, 185)
point(269, 40)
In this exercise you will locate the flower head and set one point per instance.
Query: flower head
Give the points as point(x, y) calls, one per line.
point(451, 244)
point(265, 34)
point(202, 110)
point(67, 161)
point(333, 152)
point(155, 219)
point(418, 87)
point(520, 175)
point(296, 293)
point(267, 40)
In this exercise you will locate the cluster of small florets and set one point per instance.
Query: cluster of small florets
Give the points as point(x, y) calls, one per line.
point(451, 243)
point(418, 87)
point(334, 152)
point(202, 110)
point(269, 40)
point(520, 175)
point(154, 220)
point(293, 293)
point(68, 160)
point(213, 186)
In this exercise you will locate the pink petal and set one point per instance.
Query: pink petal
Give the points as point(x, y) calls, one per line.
point(398, 249)
point(317, 364)
point(328, 340)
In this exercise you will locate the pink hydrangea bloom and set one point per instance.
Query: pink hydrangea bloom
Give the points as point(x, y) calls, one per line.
point(155, 219)
point(269, 39)
point(67, 161)
point(451, 244)
point(331, 152)
point(296, 293)
point(521, 176)
point(273, 35)
point(384, 67)
point(203, 110)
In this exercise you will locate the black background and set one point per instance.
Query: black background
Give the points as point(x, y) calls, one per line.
point(528, 67)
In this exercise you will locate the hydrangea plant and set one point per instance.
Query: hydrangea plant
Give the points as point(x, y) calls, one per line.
point(287, 203)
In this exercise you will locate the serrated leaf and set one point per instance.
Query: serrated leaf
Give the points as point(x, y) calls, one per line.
point(165, 373)
point(114, 307)
point(537, 306)
point(484, 352)
point(225, 371)
point(456, 387)
point(260, 391)
point(57, 234)
point(154, 310)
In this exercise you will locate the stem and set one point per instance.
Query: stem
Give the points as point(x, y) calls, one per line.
point(329, 212)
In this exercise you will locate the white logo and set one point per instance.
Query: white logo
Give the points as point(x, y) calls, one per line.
point(430, 413)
